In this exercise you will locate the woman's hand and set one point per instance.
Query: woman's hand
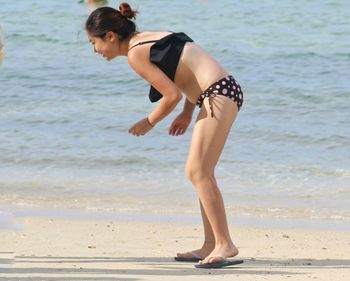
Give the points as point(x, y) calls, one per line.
point(180, 124)
point(141, 128)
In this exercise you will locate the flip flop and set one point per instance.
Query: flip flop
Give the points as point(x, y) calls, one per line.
point(195, 258)
point(223, 263)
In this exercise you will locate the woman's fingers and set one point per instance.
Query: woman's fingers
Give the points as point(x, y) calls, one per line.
point(171, 129)
point(183, 130)
point(176, 131)
point(134, 132)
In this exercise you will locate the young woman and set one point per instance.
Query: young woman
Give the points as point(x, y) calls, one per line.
point(174, 65)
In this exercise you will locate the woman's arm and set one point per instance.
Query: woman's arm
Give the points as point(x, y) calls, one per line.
point(188, 108)
point(140, 62)
point(183, 120)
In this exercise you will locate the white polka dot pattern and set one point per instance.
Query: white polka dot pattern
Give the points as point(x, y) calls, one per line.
point(227, 87)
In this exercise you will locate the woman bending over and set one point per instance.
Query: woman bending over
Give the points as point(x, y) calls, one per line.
point(174, 65)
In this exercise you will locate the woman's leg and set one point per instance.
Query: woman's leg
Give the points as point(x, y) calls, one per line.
point(209, 137)
point(209, 237)
point(209, 240)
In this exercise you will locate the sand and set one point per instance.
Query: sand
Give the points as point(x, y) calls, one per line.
point(71, 249)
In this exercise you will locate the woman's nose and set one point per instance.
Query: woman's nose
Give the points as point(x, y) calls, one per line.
point(95, 50)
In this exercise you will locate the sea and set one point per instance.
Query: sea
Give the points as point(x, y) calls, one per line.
point(65, 113)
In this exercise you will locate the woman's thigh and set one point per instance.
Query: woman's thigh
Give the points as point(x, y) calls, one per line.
point(210, 133)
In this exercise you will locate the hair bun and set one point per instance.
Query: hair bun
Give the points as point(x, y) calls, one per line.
point(126, 11)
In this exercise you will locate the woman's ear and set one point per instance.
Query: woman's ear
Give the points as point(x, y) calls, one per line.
point(111, 36)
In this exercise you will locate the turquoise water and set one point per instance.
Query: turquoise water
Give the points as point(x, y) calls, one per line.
point(65, 112)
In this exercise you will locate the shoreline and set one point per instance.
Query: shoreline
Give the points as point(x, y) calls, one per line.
point(11, 213)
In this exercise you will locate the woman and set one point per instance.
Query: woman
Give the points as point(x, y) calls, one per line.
point(173, 64)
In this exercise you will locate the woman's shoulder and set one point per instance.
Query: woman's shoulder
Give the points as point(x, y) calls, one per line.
point(148, 36)
point(140, 43)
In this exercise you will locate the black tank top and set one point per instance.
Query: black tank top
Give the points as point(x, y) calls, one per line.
point(165, 54)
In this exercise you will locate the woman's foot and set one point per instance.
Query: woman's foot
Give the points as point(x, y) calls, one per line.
point(220, 253)
point(199, 254)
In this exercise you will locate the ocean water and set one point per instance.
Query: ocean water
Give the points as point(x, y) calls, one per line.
point(65, 112)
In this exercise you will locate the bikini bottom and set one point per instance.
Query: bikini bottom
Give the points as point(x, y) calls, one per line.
point(227, 87)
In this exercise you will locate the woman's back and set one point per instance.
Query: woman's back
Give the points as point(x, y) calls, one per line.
point(196, 69)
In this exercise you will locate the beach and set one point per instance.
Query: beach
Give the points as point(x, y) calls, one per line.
point(50, 248)
point(82, 199)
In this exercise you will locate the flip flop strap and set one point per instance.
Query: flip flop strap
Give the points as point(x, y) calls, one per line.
point(220, 257)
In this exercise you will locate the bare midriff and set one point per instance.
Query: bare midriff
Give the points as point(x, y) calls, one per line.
point(196, 71)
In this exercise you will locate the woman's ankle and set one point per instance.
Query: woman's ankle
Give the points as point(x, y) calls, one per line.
point(209, 245)
point(224, 243)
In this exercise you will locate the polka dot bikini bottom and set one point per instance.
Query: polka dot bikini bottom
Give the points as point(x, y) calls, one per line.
point(227, 87)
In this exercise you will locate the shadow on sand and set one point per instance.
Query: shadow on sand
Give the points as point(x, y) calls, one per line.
point(113, 268)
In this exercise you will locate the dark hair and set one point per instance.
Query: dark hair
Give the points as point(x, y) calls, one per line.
point(106, 19)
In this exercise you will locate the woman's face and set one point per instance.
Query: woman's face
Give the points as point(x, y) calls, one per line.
point(108, 46)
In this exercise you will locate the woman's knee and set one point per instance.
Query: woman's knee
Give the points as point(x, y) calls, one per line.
point(197, 173)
